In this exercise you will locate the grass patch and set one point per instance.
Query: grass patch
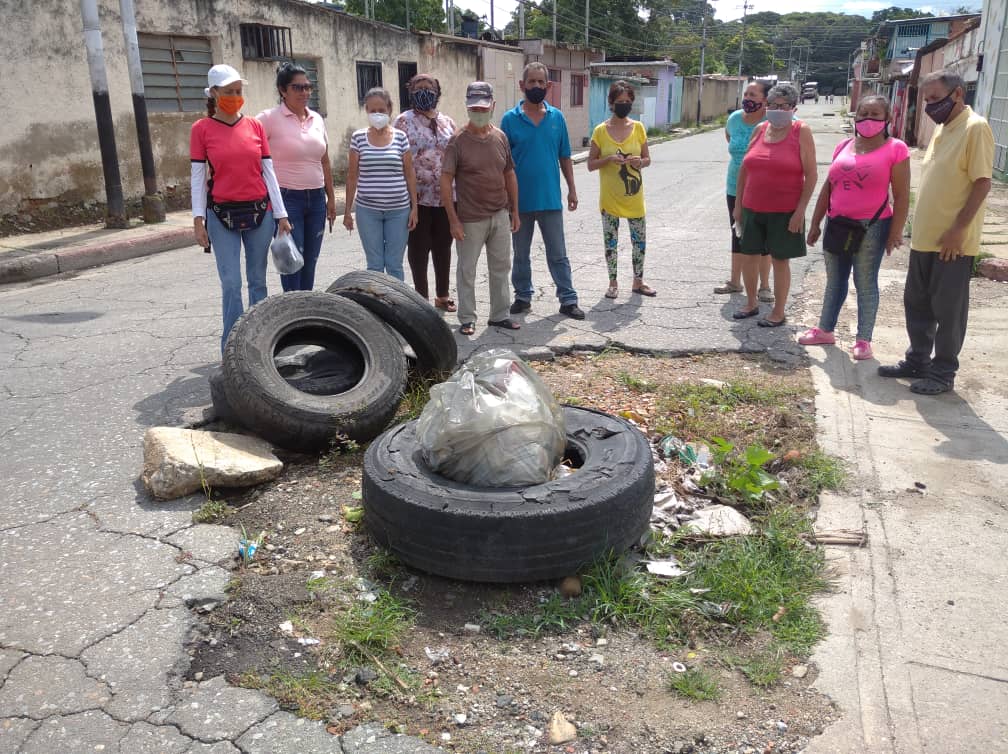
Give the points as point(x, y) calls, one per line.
point(339, 445)
point(818, 472)
point(416, 396)
point(211, 512)
point(636, 383)
point(382, 564)
point(695, 684)
point(554, 615)
point(373, 626)
point(311, 695)
point(980, 256)
point(763, 669)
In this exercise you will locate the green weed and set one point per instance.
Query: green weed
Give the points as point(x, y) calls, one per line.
point(693, 411)
point(212, 511)
point(416, 396)
point(554, 615)
point(373, 626)
point(310, 694)
point(382, 564)
point(339, 445)
point(980, 256)
point(695, 684)
point(636, 383)
point(764, 668)
point(740, 475)
point(819, 472)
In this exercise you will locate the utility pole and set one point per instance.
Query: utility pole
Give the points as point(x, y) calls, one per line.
point(521, 19)
point(153, 205)
point(587, 7)
point(741, 47)
point(115, 207)
point(554, 21)
point(491, 16)
point(407, 14)
point(703, 49)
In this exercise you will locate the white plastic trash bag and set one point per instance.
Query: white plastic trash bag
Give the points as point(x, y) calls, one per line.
point(492, 424)
point(286, 258)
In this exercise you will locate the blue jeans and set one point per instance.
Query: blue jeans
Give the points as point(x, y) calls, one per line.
point(384, 234)
point(306, 210)
point(865, 263)
point(552, 229)
point(227, 251)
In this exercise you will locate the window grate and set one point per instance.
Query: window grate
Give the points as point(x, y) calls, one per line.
point(174, 72)
point(369, 75)
point(406, 72)
point(311, 70)
point(577, 87)
point(261, 42)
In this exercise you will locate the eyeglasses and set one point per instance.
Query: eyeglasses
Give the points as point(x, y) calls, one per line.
point(303, 88)
point(779, 106)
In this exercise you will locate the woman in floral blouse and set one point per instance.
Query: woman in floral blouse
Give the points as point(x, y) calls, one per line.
point(428, 132)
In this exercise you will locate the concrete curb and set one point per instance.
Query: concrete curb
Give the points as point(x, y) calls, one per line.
point(43, 264)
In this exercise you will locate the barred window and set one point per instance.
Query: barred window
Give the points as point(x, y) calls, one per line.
point(261, 42)
point(311, 70)
point(174, 72)
point(577, 87)
point(369, 75)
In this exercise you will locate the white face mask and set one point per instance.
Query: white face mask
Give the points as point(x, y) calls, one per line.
point(378, 120)
point(479, 119)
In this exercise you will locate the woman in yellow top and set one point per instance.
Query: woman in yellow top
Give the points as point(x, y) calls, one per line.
point(619, 150)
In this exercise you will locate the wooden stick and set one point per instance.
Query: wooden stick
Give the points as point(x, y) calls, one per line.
point(380, 665)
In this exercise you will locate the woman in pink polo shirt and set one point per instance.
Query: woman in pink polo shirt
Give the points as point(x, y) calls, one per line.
point(775, 183)
point(860, 176)
point(297, 136)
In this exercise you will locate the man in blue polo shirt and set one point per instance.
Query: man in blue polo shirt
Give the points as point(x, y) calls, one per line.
point(540, 148)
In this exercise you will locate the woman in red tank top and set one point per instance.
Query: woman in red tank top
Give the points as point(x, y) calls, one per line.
point(775, 184)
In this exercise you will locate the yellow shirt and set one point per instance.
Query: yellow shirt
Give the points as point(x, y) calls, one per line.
point(621, 188)
point(961, 152)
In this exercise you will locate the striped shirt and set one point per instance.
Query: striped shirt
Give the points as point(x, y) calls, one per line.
point(381, 183)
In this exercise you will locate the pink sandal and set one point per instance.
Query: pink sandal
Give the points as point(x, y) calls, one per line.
point(816, 337)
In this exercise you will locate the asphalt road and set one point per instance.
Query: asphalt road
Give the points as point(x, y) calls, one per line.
point(95, 579)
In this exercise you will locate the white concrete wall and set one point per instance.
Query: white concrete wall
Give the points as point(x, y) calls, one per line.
point(49, 147)
point(992, 30)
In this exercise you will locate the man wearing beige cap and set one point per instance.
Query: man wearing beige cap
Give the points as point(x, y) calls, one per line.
point(485, 210)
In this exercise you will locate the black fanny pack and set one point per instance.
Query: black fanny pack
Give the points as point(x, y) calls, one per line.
point(844, 235)
point(240, 215)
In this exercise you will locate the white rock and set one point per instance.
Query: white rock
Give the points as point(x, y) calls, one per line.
point(718, 521)
point(472, 628)
point(799, 671)
point(460, 718)
point(178, 461)
point(560, 731)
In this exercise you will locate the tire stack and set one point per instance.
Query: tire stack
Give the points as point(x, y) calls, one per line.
point(353, 387)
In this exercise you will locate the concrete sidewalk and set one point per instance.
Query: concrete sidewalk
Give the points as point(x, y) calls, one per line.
point(917, 623)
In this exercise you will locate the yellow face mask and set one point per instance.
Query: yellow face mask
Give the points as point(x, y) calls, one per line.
point(230, 104)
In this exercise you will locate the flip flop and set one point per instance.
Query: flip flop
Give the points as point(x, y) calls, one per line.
point(468, 328)
point(645, 290)
point(765, 322)
point(445, 304)
point(504, 324)
point(929, 386)
point(729, 287)
point(743, 314)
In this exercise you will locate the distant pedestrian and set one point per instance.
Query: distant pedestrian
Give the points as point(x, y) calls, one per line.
point(428, 132)
point(857, 188)
point(947, 226)
point(381, 182)
point(478, 161)
point(540, 147)
point(243, 196)
point(300, 146)
point(775, 183)
point(619, 151)
point(738, 133)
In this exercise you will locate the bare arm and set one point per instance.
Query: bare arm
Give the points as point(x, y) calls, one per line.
point(807, 152)
point(567, 168)
point(447, 201)
point(595, 159)
point(951, 240)
point(821, 207)
point(740, 183)
point(353, 170)
point(329, 191)
point(511, 186)
point(408, 171)
point(900, 182)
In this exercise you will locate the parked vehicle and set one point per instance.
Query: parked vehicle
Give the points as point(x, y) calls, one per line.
point(810, 90)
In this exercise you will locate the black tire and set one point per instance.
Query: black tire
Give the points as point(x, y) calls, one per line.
point(512, 534)
point(408, 313)
point(288, 417)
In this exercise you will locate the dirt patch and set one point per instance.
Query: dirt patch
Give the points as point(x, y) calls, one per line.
point(450, 678)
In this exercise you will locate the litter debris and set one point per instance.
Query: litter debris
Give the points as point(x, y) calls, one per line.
point(678, 667)
point(668, 568)
point(472, 628)
point(851, 537)
point(353, 513)
point(437, 656)
point(287, 627)
point(719, 384)
point(308, 641)
point(316, 575)
point(718, 521)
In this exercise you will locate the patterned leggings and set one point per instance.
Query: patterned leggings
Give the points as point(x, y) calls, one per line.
point(638, 240)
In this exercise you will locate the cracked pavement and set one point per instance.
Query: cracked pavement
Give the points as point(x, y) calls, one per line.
point(98, 581)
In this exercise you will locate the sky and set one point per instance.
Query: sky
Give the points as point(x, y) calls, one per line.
point(727, 10)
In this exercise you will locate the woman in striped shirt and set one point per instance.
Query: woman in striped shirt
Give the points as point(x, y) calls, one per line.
point(381, 180)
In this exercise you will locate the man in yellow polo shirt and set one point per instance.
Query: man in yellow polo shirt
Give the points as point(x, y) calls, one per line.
point(947, 224)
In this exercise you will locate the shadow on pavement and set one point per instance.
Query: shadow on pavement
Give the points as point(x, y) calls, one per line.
point(170, 406)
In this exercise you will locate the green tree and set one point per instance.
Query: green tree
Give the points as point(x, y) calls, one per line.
point(894, 12)
point(426, 15)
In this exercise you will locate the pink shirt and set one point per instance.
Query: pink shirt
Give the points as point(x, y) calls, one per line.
point(297, 147)
point(860, 182)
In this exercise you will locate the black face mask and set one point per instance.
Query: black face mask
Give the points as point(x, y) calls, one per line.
point(622, 109)
point(535, 94)
point(939, 111)
point(751, 105)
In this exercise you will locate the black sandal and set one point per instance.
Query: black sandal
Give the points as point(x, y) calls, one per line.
point(504, 324)
point(743, 314)
point(468, 328)
point(766, 322)
point(929, 386)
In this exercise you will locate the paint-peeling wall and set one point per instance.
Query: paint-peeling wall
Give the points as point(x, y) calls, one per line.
point(49, 148)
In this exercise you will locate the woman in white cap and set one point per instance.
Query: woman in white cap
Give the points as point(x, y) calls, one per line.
point(235, 194)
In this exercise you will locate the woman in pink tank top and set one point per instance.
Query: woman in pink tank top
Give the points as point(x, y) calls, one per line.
point(863, 170)
point(775, 185)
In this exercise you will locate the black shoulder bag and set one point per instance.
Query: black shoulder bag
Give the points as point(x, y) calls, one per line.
point(843, 235)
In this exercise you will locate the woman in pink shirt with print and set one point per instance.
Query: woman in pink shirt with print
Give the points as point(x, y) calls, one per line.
point(863, 170)
point(297, 136)
point(775, 184)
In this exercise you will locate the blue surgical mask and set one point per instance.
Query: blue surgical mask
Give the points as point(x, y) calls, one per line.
point(779, 118)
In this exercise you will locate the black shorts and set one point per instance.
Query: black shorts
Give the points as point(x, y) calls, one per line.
point(735, 247)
